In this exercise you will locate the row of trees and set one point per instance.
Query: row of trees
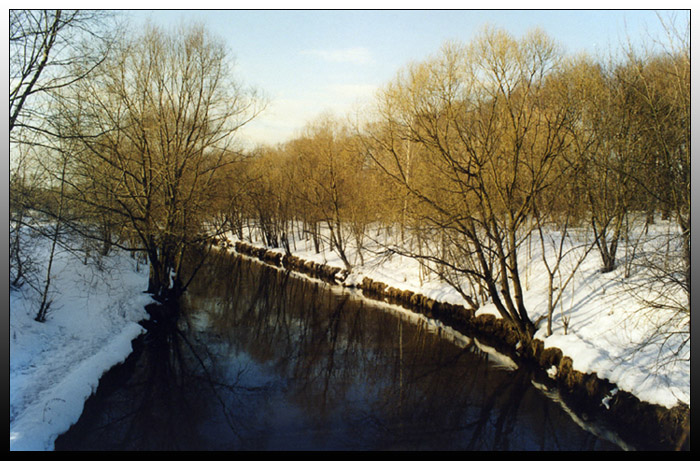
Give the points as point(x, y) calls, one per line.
point(464, 159)
point(469, 155)
point(319, 181)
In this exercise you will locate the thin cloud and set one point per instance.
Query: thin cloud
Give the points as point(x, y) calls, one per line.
point(352, 91)
point(356, 55)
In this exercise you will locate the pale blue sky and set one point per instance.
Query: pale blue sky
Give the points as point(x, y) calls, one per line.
point(310, 61)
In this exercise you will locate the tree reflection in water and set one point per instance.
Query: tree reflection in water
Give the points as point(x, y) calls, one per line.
point(266, 360)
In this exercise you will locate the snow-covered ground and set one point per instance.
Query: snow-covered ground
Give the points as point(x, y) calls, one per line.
point(56, 365)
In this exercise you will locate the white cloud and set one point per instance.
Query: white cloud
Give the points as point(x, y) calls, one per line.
point(355, 55)
point(352, 91)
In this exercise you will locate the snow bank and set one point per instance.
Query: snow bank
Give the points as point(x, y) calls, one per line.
point(56, 365)
point(59, 406)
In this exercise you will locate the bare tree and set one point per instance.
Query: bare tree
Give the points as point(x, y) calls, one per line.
point(22, 195)
point(154, 128)
point(658, 80)
point(329, 164)
point(489, 139)
point(50, 50)
point(660, 83)
point(45, 46)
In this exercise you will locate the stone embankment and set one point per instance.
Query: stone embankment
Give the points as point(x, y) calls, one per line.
point(658, 427)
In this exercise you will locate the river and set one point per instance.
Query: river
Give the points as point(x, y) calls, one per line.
point(264, 359)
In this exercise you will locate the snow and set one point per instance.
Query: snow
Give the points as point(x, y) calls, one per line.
point(56, 365)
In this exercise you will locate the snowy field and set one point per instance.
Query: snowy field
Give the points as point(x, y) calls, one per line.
point(56, 365)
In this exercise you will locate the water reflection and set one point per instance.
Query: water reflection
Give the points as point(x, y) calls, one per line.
point(266, 360)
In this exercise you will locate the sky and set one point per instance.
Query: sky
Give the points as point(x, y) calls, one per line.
point(308, 62)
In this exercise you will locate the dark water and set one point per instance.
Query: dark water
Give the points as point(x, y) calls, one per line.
point(266, 360)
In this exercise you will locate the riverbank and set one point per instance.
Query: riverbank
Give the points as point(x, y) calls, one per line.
point(664, 426)
point(57, 364)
